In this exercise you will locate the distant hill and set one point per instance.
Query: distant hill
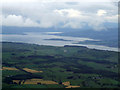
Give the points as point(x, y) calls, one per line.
point(108, 37)
point(109, 34)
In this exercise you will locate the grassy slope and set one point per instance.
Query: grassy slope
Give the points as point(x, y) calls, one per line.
point(79, 65)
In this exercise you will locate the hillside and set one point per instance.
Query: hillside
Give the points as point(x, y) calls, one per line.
point(38, 66)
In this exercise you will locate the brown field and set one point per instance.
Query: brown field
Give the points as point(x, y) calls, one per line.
point(72, 86)
point(9, 68)
point(41, 81)
point(16, 81)
point(66, 83)
point(35, 81)
point(31, 70)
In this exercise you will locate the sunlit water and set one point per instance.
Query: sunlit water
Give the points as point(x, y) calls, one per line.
point(39, 38)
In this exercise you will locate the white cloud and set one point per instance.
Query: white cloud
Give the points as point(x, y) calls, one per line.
point(41, 13)
point(14, 1)
point(101, 12)
point(9, 1)
point(69, 12)
point(96, 21)
point(13, 20)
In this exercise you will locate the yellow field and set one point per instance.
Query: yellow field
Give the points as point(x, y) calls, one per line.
point(41, 81)
point(72, 86)
point(9, 68)
point(35, 81)
point(26, 69)
point(31, 70)
point(16, 81)
point(66, 83)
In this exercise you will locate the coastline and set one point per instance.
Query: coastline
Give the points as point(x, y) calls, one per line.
point(76, 45)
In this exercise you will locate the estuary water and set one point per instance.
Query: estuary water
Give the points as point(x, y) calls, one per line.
point(46, 38)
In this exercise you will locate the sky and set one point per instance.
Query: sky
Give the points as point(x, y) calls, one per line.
point(74, 14)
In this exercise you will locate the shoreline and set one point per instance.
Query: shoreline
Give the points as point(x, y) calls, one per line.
point(84, 46)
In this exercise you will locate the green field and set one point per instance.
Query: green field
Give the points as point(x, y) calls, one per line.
point(87, 68)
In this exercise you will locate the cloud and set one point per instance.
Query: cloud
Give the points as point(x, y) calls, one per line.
point(78, 19)
point(45, 13)
point(112, 19)
point(14, 20)
point(69, 12)
point(101, 12)
point(9, 1)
